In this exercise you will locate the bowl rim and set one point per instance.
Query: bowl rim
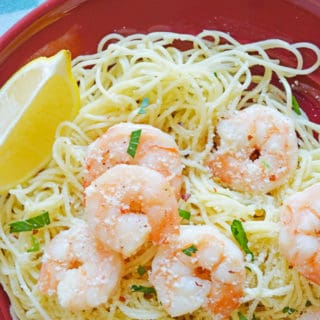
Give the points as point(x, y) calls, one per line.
point(46, 13)
point(33, 22)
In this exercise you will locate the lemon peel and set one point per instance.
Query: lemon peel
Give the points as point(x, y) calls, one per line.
point(33, 102)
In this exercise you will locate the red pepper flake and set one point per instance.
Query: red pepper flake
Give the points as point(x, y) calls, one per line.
point(272, 177)
point(202, 273)
point(122, 299)
point(185, 196)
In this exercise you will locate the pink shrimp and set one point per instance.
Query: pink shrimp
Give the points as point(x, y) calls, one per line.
point(156, 150)
point(311, 315)
point(128, 205)
point(299, 237)
point(82, 274)
point(199, 268)
point(258, 150)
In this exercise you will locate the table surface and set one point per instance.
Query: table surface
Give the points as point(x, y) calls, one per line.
point(13, 10)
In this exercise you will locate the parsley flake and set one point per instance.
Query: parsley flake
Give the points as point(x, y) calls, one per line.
point(265, 163)
point(146, 290)
point(288, 310)
point(184, 214)
point(35, 245)
point(144, 104)
point(141, 270)
point(308, 303)
point(241, 237)
point(190, 250)
point(134, 142)
point(295, 105)
point(33, 223)
point(241, 316)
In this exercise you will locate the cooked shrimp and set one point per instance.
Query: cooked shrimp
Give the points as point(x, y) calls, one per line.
point(128, 205)
point(311, 315)
point(82, 274)
point(200, 268)
point(258, 150)
point(156, 150)
point(299, 237)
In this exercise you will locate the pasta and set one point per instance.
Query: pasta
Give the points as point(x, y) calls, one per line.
point(190, 83)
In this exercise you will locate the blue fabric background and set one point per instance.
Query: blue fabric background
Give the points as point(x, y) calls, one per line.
point(13, 10)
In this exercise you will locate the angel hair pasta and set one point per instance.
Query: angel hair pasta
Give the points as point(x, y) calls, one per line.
point(206, 92)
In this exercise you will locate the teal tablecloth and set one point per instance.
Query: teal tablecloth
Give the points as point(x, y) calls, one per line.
point(13, 10)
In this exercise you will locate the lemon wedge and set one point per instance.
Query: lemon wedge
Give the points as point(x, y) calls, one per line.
point(33, 102)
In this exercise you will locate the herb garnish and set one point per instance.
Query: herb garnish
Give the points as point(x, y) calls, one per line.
point(141, 270)
point(33, 223)
point(146, 290)
point(288, 310)
point(308, 303)
point(35, 245)
point(145, 102)
point(184, 214)
point(241, 316)
point(134, 141)
point(295, 105)
point(190, 250)
point(240, 235)
point(265, 163)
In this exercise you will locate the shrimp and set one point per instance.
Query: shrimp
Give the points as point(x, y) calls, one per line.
point(312, 315)
point(156, 150)
point(299, 237)
point(82, 274)
point(128, 205)
point(258, 150)
point(200, 268)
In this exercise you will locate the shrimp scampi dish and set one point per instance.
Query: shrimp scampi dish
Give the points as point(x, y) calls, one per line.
point(186, 187)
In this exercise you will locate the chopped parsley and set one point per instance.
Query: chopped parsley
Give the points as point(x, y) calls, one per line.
point(308, 303)
point(33, 223)
point(241, 316)
point(35, 245)
point(144, 104)
point(295, 105)
point(241, 237)
point(146, 290)
point(141, 270)
point(190, 250)
point(134, 142)
point(184, 214)
point(288, 310)
point(265, 163)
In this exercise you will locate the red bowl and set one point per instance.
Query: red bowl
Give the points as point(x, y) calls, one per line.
point(78, 25)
